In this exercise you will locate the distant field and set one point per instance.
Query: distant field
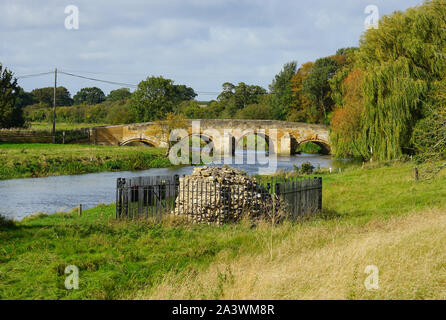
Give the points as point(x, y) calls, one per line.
point(63, 126)
point(372, 216)
point(39, 159)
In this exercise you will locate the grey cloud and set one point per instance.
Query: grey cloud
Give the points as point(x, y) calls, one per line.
point(201, 43)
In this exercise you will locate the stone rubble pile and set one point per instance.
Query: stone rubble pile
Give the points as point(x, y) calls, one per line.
point(215, 195)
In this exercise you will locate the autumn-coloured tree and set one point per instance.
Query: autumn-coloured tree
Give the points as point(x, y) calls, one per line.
point(347, 59)
point(299, 109)
point(346, 133)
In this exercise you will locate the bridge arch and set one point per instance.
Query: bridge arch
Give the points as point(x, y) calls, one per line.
point(240, 141)
point(202, 137)
point(205, 140)
point(325, 146)
point(136, 141)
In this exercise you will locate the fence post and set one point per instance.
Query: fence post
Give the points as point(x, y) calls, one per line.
point(125, 200)
point(320, 194)
point(176, 192)
point(119, 184)
point(277, 188)
point(275, 193)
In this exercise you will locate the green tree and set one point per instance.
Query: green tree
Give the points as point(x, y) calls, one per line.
point(24, 98)
point(429, 136)
point(248, 94)
point(281, 90)
point(254, 112)
point(216, 109)
point(91, 95)
point(11, 114)
point(402, 60)
point(192, 110)
point(119, 94)
point(45, 96)
point(157, 96)
point(227, 93)
point(236, 97)
point(317, 87)
point(184, 93)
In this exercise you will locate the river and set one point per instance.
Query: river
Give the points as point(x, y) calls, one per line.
point(24, 197)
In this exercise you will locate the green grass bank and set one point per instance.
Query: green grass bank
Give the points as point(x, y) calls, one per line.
point(40, 160)
point(372, 216)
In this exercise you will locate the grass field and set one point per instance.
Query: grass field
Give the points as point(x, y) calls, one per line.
point(63, 126)
point(372, 216)
point(38, 160)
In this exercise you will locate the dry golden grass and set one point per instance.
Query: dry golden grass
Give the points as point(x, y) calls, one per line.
point(327, 261)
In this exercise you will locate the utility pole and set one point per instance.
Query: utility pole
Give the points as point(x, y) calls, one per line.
point(54, 106)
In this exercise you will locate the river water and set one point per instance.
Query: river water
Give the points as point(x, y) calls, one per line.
point(24, 197)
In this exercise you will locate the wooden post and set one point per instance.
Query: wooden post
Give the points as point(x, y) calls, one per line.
point(79, 209)
point(54, 105)
point(63, 137)
point(415, 173)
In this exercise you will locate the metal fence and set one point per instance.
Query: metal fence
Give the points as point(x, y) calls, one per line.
point(211, 201)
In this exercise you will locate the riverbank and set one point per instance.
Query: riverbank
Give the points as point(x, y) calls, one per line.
point(40, 160)
point(371, 216)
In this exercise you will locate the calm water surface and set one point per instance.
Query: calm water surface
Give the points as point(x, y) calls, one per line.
point(23, 197)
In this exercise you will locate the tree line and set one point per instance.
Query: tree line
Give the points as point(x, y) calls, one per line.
point(390, 97)
point(157, 96)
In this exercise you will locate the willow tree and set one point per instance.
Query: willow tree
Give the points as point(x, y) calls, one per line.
point(429, 136)
point(401, 60)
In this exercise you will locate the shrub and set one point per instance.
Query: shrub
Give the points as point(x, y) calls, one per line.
point(305, 168)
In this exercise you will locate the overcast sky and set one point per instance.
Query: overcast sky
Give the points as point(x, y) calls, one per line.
point(200, 43)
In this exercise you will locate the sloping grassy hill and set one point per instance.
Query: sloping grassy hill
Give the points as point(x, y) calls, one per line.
point(372, 216)
point(327, 262)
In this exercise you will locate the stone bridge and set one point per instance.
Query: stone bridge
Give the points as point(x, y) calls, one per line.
point(282, 137)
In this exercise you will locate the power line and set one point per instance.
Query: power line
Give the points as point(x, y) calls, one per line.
point(99, 80)
point(107, 73)
point(144, 75)
point(125, 84)
point(34, 75)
